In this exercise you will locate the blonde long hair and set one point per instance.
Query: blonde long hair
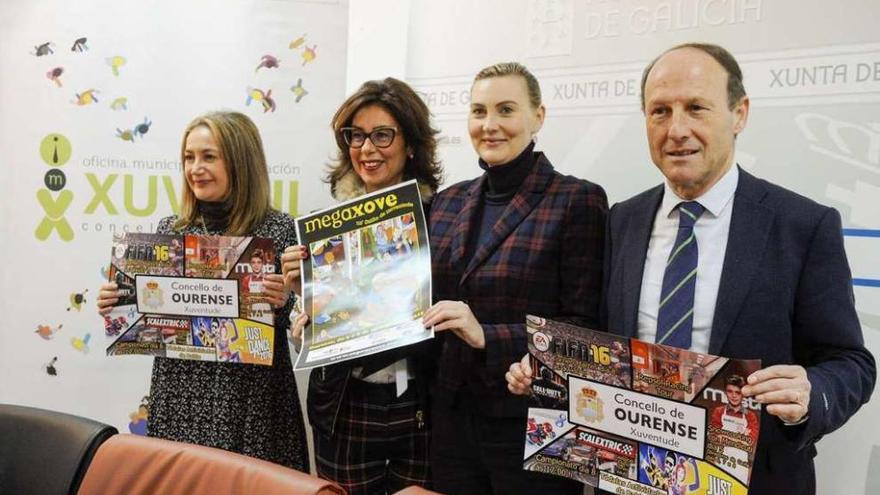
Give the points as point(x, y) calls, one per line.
point(242, 151)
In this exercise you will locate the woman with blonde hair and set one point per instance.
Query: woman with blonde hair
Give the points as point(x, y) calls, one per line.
point(249, 409)
point(519, 239)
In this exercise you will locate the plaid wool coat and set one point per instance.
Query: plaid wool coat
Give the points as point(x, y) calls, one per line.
point(543, 257)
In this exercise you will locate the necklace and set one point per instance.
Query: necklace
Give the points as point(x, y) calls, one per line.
point(204, 225)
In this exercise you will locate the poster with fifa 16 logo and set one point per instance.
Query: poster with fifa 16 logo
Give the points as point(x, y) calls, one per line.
point(637, 418)
point(192, 297)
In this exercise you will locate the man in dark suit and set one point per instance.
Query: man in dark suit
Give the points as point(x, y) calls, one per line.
point(716, 260)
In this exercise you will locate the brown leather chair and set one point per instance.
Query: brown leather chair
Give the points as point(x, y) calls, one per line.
point(134, 465)
point(46, 452)
point(416, 490)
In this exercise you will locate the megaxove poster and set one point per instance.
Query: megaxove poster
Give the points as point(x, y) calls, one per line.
point(191, 297)
point(367, 280)
point(632, 417)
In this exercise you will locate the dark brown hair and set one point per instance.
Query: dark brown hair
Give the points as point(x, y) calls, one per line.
point(413, 116)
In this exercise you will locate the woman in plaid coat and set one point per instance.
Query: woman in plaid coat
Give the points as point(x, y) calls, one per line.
point(519, 239)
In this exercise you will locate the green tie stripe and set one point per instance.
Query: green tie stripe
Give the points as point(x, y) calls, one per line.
point(693, 273)
point(677, 324)
point(680, 247)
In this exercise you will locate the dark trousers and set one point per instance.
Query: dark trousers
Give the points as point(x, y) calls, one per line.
point(475, 454)
point(380, 444)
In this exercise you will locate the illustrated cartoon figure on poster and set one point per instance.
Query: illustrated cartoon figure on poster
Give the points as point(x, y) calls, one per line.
point(139, 418)
point(113, 326)
point(562, 419)
point(654, 472)
point(203, 336)
point(228, 333)
point(536, 433)
point(678, 484)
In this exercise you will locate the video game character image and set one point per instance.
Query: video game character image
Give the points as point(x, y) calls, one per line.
point(113, 326)
point(653, 471)
point(227, 333)
point(138, 423)
point(678, 484)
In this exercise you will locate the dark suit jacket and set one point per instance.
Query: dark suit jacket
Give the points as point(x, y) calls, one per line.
point(785, 297)
point(544, 257)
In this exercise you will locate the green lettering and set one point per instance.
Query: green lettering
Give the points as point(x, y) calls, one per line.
point(101, 196)
point(129, 197)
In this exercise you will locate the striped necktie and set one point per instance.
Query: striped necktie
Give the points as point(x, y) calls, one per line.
point(675, 317)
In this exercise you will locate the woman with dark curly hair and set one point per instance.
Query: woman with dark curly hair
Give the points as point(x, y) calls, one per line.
point(369, 437)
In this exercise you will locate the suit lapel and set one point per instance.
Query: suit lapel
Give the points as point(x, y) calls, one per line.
point(634, 241)
point(750, 225)
point(530, 193)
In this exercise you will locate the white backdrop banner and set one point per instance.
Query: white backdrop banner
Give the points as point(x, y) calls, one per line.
point(95, 99)
point(812, 71)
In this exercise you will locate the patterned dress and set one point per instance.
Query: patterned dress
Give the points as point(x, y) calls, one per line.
point(249, 409)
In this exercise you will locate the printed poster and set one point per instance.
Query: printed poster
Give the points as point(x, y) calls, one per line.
point(635, 418)
point(191, 297)
point(367, 280)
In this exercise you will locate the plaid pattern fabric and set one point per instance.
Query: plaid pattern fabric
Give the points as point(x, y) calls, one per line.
point(544, 257)
point(380, 444)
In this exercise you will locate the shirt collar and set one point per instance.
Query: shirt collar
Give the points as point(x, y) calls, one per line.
point(714, 200)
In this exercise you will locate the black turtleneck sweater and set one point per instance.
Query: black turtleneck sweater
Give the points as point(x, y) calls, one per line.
point(215, 214)
point(502, 184)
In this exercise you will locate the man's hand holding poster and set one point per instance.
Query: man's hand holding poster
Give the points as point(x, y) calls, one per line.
point(192, 297)
point(632, 417)
point(367, 280)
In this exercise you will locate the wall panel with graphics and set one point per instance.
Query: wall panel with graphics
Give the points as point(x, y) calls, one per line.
point(812, 71)
point(95, 97)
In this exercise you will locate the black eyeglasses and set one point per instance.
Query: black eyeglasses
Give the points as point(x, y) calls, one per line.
point(381, 137)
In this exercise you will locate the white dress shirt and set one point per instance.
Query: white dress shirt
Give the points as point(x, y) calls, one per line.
point(711, 230)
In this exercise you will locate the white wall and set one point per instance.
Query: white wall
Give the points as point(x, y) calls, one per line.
point(810, 130)
point(819, 138)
